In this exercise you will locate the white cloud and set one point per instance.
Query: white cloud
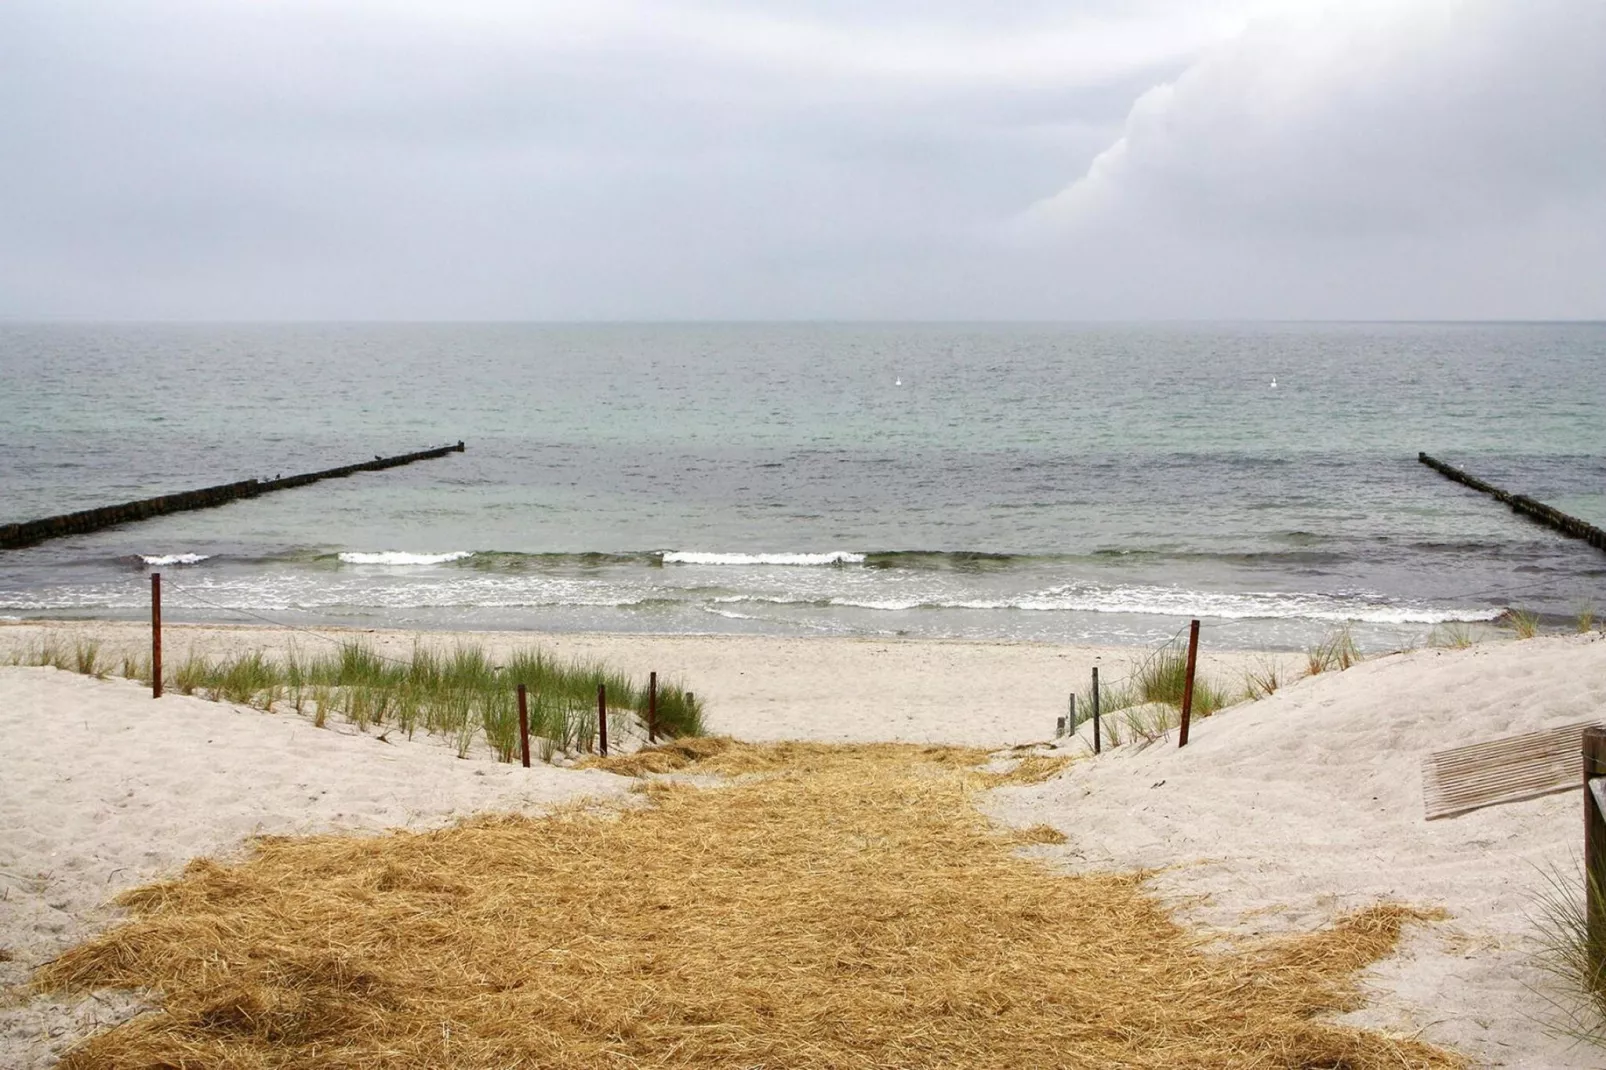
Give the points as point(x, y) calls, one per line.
point(1365, 118)
point(801, 158)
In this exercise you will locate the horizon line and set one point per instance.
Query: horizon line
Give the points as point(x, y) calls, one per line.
point(11, 321)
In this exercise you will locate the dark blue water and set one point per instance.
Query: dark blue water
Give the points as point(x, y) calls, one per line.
point(1045, 482)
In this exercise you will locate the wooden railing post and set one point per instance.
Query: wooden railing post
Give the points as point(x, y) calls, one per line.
point(1595, 843)
point(602, 718)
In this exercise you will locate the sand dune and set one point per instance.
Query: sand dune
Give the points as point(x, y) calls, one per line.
point(1279, 814)
point(102, 789)
point(1282, 812)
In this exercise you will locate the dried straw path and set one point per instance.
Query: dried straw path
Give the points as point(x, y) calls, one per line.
point(822, 907)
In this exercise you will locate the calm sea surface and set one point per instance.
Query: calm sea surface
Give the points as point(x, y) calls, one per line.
point(1077, 483)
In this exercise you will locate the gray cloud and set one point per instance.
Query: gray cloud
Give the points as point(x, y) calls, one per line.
point(1433, 158)
point(624, 159)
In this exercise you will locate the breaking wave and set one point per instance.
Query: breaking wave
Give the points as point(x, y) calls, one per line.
point(160, 560)
point(400, 557)
point(1166, 602)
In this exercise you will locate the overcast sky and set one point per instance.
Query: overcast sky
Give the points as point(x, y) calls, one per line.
point(842, 159)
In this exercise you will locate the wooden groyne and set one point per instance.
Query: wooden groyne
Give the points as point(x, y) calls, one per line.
point(14, 536)
point(1536, 511)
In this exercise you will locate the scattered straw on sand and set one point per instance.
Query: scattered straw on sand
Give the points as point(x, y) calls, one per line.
point(824, 907)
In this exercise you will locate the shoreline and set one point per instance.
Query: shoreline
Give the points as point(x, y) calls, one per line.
point(755, 687)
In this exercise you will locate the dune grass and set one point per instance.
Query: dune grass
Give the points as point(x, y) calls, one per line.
point(1146, 703)
point(1571, 955)
point(1335, 653)
point(461, 695)
point(826, 907)
point(1452, 635)
point(1262, 679)
point(1524, 623)
point(86, 657)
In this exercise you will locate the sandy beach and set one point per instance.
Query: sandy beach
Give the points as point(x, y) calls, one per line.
point(684, 531)
point(1280, 815)
point(987, 694)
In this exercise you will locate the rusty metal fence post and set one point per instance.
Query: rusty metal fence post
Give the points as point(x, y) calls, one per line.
point(1187, 683)
point(1096, 743)
point(1594, 747)
point(524, 727)
point(156, 635)
point(652, 707)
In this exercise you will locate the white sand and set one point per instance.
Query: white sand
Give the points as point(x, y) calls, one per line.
point(756, 687)
point(102, 789)
point(1287, 811)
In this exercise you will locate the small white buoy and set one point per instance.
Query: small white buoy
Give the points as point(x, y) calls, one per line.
point(1274, 382)
point(897, 382)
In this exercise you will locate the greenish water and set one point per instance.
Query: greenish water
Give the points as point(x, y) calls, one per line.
point(1047, 482)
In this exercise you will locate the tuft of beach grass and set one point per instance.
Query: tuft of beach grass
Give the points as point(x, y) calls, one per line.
point(1146, 703)
point(1334, 653)
point(1452, 635)
point(460, 695)
point(1524, 623)
point(1262, 679)
point(1571, 955)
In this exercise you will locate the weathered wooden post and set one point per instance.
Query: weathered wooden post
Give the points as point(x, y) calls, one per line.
point(652, 707)
point(156, 635)
point(524, 727)
point(1096, 744)
point(1595, 844)
point(1187, 683)
point(602, 718)
point(1070, 716)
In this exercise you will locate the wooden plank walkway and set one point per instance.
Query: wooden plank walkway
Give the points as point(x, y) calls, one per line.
point(1503, 770)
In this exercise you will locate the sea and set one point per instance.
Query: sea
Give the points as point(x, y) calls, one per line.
point(1063, 483)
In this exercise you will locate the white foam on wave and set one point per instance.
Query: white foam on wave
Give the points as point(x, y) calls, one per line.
point(400, 557)
point(173, 559)
point(1247, 605)
point(692, 557)
point(729, 614)
point(1167, 602)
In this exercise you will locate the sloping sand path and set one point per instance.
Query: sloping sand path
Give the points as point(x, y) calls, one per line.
point(829, 907)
